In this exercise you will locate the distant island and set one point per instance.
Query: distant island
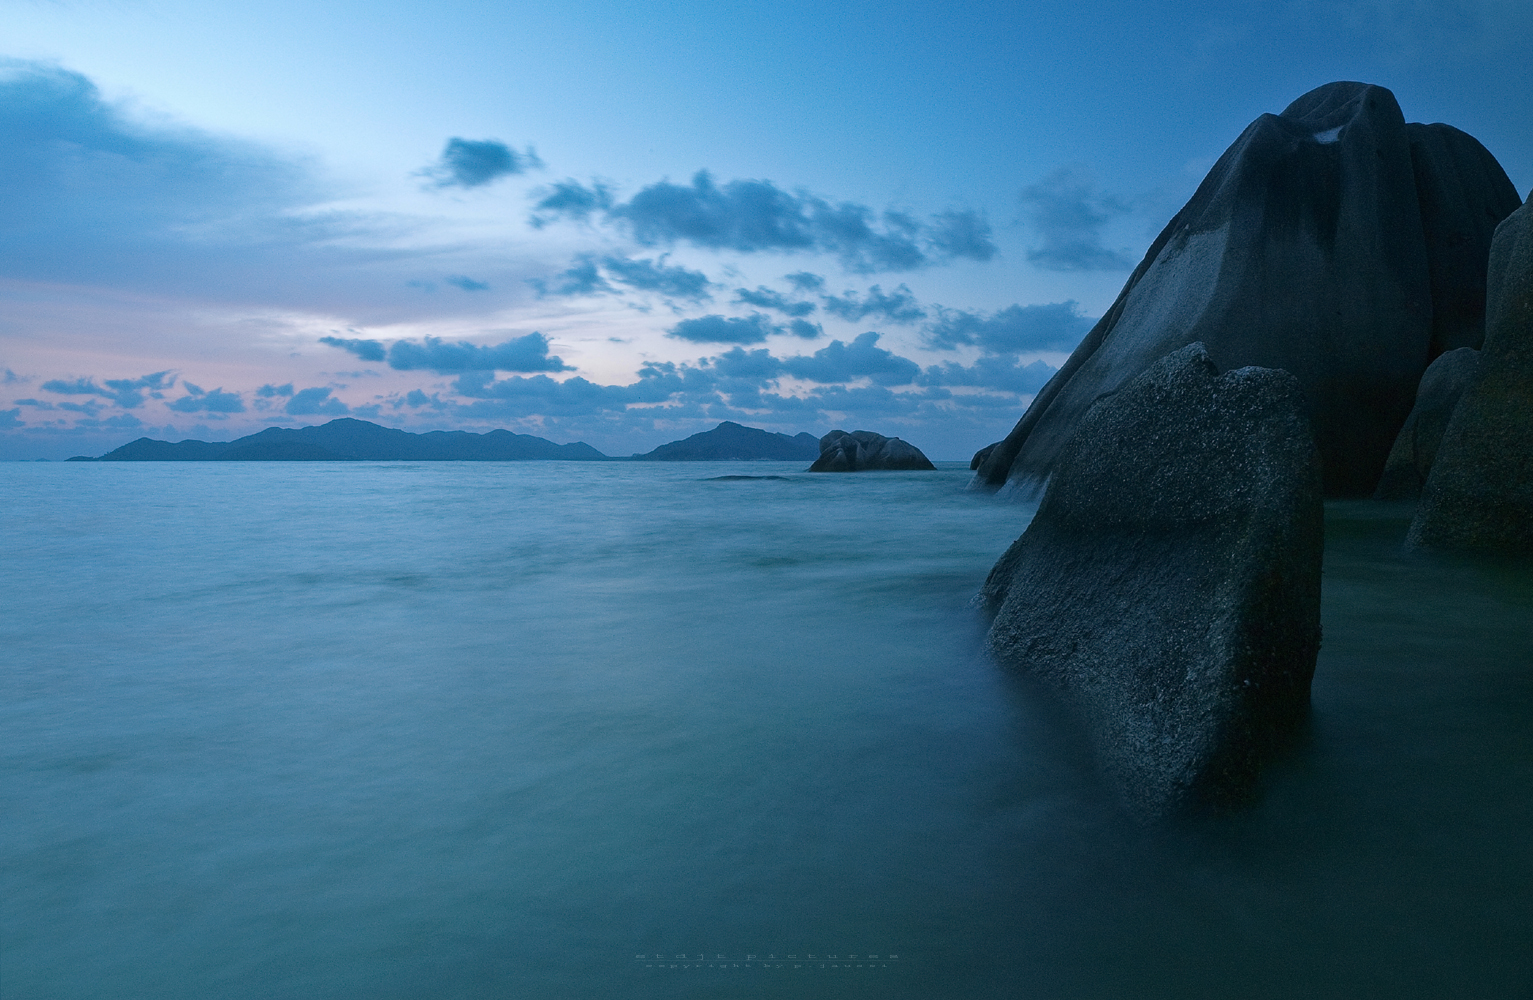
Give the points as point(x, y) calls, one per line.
point(732, 442)
point(351, 440)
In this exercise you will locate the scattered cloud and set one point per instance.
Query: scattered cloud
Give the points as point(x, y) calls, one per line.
point(590, 275)
point(804, 281)
point(523, 354)
point(466, 283)
point(268, 391)
point(126, 393)
point(898, 306)
point(991, 372)
point(1067, 211)
point(1055, 326)
point(11, 418)
point(217, 401)
point(315, 402)
point(647, 275)
point(768, 298)
point(471, 163)
point(716, 329)
point(756, 216)
point(569, 199)
point(367, 350)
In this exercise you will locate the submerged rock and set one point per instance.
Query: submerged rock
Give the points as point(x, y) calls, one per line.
point(1169, 585)
point(863, 451)
point(1479, 495)
point(1410, 460)
point(1333, 241)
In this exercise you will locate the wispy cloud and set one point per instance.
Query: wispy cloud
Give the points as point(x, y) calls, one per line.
point(1067, 211)
point(898, 306)
point(757, 216)
point(1055, 326)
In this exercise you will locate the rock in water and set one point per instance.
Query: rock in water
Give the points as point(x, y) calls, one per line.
point(1333, 241)
point(1479, 495)
point(1169, 585)
point(863, 451)
point(1410, 460)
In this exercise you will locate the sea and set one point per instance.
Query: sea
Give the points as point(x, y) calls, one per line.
point(694, 730)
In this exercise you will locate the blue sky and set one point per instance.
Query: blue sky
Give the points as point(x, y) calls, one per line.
point(622, 223)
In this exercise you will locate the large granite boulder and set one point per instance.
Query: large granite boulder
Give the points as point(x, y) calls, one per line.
point(1410, 460)
point(862, 451)
point(1169, 585)
point(1333, 241)
point(1479, 495)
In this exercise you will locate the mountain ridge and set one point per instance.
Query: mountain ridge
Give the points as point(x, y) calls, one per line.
point(348, 439)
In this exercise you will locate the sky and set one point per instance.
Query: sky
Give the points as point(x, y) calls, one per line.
point(623, 223)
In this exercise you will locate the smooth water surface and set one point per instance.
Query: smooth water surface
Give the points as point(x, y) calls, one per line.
point(538, 729)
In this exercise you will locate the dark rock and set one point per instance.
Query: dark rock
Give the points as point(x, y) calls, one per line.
point(980, 456)
point(1479, 495)
point(1333, 241)
point(732, 442)
point(348, 439)
point(864, 451)
point(1169, 586)
point(1410, 460)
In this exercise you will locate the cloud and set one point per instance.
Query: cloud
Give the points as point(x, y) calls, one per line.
point(803, 281)
point(470, 163)
point(11, 418)
point(767, 298)
point(581, 278)
point(11, 378)
point(367, 350)
point(315, 402)
point(1067, 211)
point(571, 200)
point(805, 329)
point(216, 401)
point(523, 354)
point(715, 329)
point(898, 306)
point(655, 276)
point(92, 194)
point(1056, 326)
point(863, 358)
point(991, 372)
point(756, 216)
point(961, 234)
point(585, 277)
point(836, 362)
point(268, 391)
point(467, 284)
point(126, 393)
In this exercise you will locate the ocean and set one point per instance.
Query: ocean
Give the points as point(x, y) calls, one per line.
point(696, 730)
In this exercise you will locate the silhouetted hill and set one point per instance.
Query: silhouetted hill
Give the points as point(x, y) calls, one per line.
point(350, 440)
point(732, 442)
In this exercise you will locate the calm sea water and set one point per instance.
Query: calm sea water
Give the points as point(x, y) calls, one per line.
point(576, 730)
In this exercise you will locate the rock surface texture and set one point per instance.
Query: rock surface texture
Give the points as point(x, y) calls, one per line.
point(863, 451)
point(1410, 460)
point(1479, 495)
point(1333, 241)
point(1169, 586)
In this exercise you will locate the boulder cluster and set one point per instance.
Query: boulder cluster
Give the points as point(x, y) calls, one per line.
point(1345, 309)
point(861, 451)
